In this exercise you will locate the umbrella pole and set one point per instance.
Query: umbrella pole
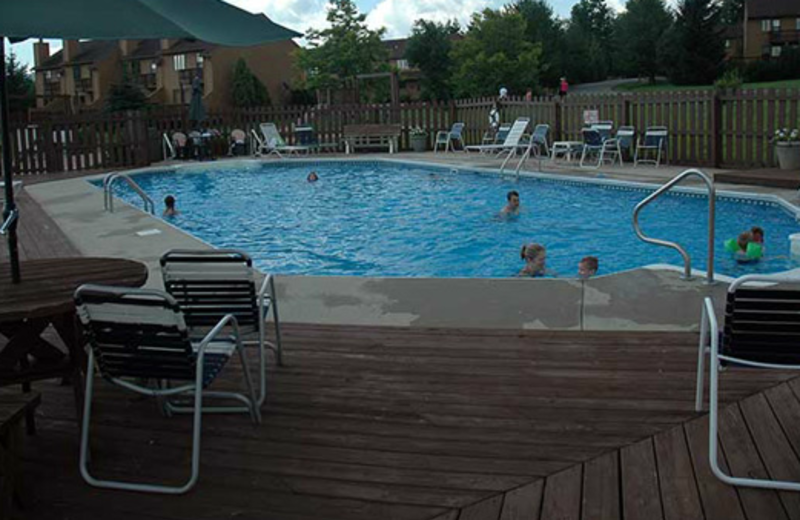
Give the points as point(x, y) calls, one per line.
point(5, 144)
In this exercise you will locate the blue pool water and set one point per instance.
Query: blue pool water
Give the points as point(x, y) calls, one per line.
point(390, 219)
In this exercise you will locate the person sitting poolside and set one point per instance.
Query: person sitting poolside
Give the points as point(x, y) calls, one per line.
point(512, 207)
point(169, 206)
point(535, 256)
point(587, 267)
point(744, 248)
point(312, 177)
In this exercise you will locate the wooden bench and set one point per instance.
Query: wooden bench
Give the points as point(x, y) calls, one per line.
point(14, 407)
point(369, 136)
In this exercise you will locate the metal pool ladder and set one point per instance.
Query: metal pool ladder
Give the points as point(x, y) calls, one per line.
point(108, 192)
point(687, 261)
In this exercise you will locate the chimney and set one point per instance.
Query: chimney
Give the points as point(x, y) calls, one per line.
point(41, 51)
point(71, 49)
point(126, 47)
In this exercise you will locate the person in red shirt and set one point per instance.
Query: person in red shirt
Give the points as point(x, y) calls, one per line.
point(563, 87)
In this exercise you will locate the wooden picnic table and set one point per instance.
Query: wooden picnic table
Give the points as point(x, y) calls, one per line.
point(44, 298)
point(13, 408)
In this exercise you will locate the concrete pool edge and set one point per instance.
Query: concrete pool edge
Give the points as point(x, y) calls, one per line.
point(653, 298)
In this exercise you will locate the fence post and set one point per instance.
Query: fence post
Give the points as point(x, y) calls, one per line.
point(557, 132)
point(626, 110)
point(716, 127)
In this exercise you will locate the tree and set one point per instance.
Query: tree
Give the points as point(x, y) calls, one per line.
point(732, 12)
point(693, 50)
point(429, 49)
point(248, 91)
point(125, 96)
point(342, 51)
point(639, 29)
point(542, 26)
point(495, 53)
point(590, 41)
point(20, 85)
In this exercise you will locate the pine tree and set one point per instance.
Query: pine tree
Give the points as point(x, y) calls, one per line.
point(20, 85)
point(639, 29)
point(248, 91)
point(693, 50)
point(428, 49)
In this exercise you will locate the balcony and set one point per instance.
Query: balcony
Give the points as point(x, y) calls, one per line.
point(778, 37)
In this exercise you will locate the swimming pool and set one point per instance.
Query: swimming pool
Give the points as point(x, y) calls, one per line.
point(380, 218)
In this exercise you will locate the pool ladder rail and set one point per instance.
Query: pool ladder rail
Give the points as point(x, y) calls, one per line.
point(168, 148)
point(108, 192)
point(532, 146)
point(687, 261)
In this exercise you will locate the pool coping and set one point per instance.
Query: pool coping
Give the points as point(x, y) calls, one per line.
point(617, 301)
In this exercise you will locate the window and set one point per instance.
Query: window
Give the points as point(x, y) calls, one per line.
point(402, 64)
point(764, 25)
point(776, 25)
point(776, 51)
point(179, 61)
point(797, 24)
point(76, 73)
point(199, 59)
point(727, 44)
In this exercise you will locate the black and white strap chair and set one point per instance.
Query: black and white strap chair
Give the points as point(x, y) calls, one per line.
point(761, 330)
point(210, 284)
point(138, 336)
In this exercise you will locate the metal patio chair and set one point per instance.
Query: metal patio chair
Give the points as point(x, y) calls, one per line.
point(761, 330)
point(210, 284)
point(448, 138)
point(654, 141)
point(139, 336)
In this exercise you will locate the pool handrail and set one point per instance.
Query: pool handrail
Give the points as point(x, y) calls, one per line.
point(166, 145)
point(687, 261)
point(108, 192)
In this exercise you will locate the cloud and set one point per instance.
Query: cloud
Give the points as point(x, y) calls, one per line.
point(299, 15)
point(399, 15)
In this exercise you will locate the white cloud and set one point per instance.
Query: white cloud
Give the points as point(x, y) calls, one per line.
point(299, 15)
point(399, 15)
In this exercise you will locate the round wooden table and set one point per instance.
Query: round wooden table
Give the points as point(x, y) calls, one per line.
point(45, 297)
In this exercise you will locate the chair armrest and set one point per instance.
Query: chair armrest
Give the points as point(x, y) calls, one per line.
point(218, 328)
point(711, 317)
point(267, 290)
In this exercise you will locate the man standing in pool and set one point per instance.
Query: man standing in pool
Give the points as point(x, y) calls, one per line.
point(512, 207)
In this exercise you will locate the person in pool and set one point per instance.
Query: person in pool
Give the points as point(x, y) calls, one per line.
point(535, 256)
point(169, 206)
point(745, 248)
point(758, 235)
point(312, 177)
point(512, 205)
point(587, 267)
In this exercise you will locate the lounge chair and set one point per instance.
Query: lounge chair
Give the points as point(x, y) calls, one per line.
point(761, 330)
point(238, 143)
point(511, 142)
point(139, 336)
point(448, 138)
point(490, 137)
point(655, 140)
point(270, 142)
point(210, 284)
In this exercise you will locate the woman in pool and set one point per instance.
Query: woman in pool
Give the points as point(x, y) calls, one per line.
point(746, 248)
point(535, 256)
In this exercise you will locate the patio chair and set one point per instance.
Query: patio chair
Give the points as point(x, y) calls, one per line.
point(539, 138)
point(625, 139)
point(270, 142)
point(593, 143)
point(511, 142)
point(605, 128)
point(655, 141)
point(210, 284)
point(490, 137)
point(238, 142)
point(761, 330)
point(449, 137)
point(138, 336)
point(180, 142)
point(306, 136)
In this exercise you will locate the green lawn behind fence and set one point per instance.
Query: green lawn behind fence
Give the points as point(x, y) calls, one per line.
point(664, 86)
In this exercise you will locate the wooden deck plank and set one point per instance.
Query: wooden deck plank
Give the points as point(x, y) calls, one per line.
point(786, 407)
point(487, 509)
point(640, 494)
point(773, 446)
point(679, 494)
point(38, 235)
point(743, 459)
point(601, 498)
point(562, 495)
point(524, 502)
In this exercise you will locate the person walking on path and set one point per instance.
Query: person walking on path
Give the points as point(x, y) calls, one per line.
point(562, 88)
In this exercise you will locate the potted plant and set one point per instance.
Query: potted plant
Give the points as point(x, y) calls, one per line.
point(419, 139)
point(787, 148)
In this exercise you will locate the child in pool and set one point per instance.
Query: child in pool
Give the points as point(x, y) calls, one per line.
point(587, 267)
point(535, 256)
point(169, 206)
point(745, 248)
point(312, 177)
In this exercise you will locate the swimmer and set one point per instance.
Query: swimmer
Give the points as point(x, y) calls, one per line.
point(169, 206)
point(535, 256)
point(587, 267)
point(758, 234)
point(745, 248)
point(312, 177)
point(512, 207)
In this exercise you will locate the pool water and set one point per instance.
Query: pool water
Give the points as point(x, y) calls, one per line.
point(393, 219)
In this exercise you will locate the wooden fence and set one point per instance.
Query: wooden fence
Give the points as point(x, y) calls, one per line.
point(707, 127)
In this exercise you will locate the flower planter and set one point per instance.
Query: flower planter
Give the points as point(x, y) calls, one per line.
point(419, 143)
point(788, 155)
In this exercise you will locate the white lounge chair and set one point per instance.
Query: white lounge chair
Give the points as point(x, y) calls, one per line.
point(511, 142)
point(270, 142)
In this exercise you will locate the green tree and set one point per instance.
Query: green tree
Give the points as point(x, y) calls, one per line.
point(543, 27)
point(125, 96)
point(20, 85)
point(639, 29)
point(429, 49)
point(342, 51)
point(590, 41)
point(495, 53)
point(248, 91)
point(693, 50)
point(732, 12)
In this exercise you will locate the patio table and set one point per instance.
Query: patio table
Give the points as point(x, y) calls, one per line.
point(44, 298)
point(565, 148)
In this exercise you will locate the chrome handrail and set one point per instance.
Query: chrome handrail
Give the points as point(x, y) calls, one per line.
point(108, 192)
point(687, 261)
point(12, 217)
point(533, 145)
point(166, 144)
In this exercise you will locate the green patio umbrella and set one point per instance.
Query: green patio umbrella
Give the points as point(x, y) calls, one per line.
point(209, 20)
point(197, 112)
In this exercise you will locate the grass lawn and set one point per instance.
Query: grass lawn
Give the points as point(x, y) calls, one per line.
point(662, 86)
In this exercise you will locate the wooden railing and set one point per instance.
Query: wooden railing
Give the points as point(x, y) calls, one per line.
point(707, 127)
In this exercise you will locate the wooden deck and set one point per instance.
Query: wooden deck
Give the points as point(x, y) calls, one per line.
point(38, 236)
point(769, 177)
point(400, 423)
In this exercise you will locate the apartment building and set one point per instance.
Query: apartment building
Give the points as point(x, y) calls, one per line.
point(770, 27)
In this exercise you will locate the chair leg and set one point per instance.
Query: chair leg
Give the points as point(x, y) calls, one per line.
point(583, 156)
point(701, 356)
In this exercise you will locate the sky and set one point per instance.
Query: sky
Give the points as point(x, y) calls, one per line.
point(397, 16)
